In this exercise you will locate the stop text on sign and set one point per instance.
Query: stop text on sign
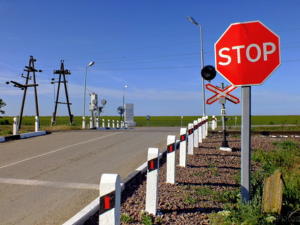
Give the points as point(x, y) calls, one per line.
point(252, 53)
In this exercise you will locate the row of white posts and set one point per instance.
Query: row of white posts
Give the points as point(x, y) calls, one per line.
point(109, 124)
point(16, 125)
point(110, 187)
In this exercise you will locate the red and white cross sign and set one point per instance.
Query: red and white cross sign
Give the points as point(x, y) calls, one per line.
point(221, 93)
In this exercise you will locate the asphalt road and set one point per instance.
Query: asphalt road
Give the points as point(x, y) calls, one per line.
point(48, 179)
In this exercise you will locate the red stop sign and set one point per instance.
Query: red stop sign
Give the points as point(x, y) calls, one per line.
point(247, 53)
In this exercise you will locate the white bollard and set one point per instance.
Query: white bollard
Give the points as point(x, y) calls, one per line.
point(122, 124)
point(117, 124)
point(190, 139)
point(182, 148)
point(206, 127)
point(15, 126)
point(108, 124)
point(152, 181)
point(103, 123)
point(91, 123)
point(97, 122)
point(199, 131)
point(170, 173)
point(196, 135)
point(36, 124)
point(83, 122)
point(126, 125)
point(110, 199)
point(203, 127)
point(214, 123)
point(113, 123)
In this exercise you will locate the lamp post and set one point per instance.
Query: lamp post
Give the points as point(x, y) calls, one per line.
point(125, 86)
point(91, 63)
point(193, 21)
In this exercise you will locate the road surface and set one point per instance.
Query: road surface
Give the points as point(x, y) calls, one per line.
point(48, 179)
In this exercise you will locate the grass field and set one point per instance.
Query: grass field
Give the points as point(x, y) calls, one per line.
point(287, 122)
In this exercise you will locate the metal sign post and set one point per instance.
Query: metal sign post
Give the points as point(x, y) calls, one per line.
point(246, 143)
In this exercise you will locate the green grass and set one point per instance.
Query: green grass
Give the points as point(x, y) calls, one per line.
point(286, 157)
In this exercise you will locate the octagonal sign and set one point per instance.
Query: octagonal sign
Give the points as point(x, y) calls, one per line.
point(247, 53)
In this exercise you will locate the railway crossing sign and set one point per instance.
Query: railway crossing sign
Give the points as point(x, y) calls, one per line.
point(247, 53)
point(221, 93)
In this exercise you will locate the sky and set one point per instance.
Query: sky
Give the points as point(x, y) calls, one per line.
point(148, 45)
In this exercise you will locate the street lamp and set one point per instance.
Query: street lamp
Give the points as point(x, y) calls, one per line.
point(193, 21)
point(125, 86)
point(91, 63)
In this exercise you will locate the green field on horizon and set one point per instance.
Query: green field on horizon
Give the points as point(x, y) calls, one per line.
point(291, 122)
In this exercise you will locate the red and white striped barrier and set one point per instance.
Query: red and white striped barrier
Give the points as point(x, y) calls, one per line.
point(170, 173)
point(190, 139)
point(152, 181)
point(110, 199)
point(182, 148)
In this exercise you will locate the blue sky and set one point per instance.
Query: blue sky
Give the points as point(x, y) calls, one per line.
point(148, 45)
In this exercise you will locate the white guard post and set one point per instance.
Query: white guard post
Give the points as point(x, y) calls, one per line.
point(36, 124)
point(113, 123)
point(170, 176)
point(91, 122)
point(122, 124)
point(117, 123)
point(152, 181)
point(83, 122)
point(126, 125)
point(108, 124)
point(15, 126)
point(103, 123)
point(110, 199)
point(97, 122)
point(206, 127)
point(200, 131)
point(190, 139)
point(196, 135)
point(182, 148)
point(203, 127)
point(214, 123)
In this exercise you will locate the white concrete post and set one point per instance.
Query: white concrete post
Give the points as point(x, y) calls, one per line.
point(117, 124)
point(214, 123)
point(196, 135)
point(108, 123)
point(190, 139)
point(126, 125)
point(113, 123)
point(152, 181)
point(110, 199)
point(15, 126)
point(36, 123)
point(122, 124)
point(206, 127)
point(83, 122)
point(182, 147)
point(103, 123)
point(203, 128)
point(170, 174)
point(200, 130)
point(91, 122)
point(97, 122)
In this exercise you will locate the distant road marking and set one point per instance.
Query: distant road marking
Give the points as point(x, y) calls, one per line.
point(49, 184)
point(58, 150)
